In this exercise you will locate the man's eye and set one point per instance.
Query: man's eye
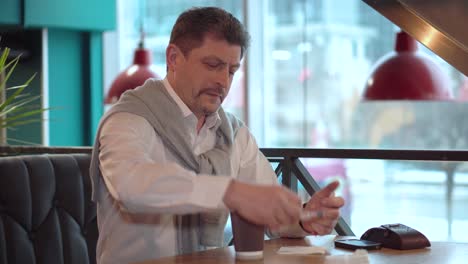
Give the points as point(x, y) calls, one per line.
point(212, 65)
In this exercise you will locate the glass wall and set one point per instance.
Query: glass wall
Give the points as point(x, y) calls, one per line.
point(319, 55)
point(301, 85)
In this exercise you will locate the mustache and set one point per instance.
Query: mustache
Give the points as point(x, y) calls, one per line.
point(217, 90)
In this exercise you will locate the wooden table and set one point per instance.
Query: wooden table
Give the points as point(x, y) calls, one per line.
point(438, 253)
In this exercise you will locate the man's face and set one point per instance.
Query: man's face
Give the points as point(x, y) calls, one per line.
point(202, 79)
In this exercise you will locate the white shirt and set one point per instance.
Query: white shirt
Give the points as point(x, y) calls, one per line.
point(146, 187)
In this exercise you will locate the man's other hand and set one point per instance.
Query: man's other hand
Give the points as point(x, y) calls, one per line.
point(327, 205)
point(273, 206)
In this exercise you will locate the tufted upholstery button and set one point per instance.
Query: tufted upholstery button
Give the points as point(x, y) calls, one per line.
point(31, 235)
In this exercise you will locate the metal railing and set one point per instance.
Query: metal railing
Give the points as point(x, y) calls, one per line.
point(293, 170)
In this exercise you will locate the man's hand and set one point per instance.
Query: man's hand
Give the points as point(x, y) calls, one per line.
point(270, 205)
point(328, 207)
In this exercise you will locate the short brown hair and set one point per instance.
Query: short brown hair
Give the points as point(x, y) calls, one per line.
point(193, 24)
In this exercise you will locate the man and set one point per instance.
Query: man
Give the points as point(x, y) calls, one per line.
point(168, 162)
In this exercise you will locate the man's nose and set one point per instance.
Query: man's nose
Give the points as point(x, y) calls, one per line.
point(223, 78)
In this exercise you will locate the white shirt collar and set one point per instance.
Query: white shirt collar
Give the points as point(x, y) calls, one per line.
point(183, 107)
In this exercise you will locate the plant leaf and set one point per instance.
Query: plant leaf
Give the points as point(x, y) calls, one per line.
point(23, 115)
point(23, 142)
point(14, 107)
point(20, 123)
point(15, 87)
point(12, 65)
point(12, 97)
point(3, 58)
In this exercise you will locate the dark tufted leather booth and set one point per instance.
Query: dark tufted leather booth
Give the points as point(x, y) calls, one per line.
point(46, 214)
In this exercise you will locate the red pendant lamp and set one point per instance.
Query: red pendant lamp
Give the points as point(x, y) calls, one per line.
point(407, 74)
point(135, 75)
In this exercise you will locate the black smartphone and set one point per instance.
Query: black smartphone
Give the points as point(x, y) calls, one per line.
point(357, 243)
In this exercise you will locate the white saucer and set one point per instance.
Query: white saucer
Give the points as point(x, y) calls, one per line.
point(249, 255)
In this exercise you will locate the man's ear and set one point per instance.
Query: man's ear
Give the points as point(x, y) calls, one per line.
point(172, 54)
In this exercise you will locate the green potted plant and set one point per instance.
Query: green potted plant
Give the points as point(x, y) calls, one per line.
point(17, 107)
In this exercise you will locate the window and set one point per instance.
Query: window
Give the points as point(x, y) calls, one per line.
point(315, 71)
